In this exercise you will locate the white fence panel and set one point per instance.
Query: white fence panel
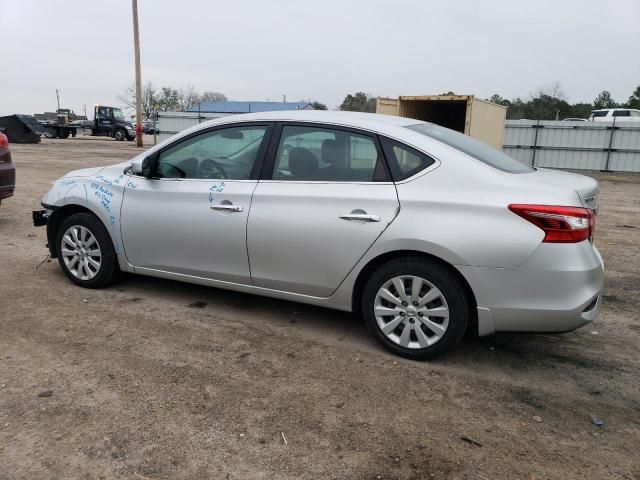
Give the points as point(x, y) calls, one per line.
point(574, 145)
point(170, 123)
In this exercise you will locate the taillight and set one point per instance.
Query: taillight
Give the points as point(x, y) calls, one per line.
point(560, 224)
point(4, 144)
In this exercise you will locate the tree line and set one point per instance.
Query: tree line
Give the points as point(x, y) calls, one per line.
point(550, 104)
point(167, 99)
point(170, 99)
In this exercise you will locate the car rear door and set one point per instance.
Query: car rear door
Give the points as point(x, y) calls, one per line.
point(324, 197)
point(191, 217)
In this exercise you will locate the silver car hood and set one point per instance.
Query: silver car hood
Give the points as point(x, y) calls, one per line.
point(85, 172)
point(585, 187)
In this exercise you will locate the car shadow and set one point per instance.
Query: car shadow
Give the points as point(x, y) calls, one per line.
point(337, 325)
point(505, 351)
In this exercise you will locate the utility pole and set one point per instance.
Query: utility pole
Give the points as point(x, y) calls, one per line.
point(58, 98)
point(136, 47)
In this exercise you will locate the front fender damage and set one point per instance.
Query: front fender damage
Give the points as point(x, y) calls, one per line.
point(101, 194)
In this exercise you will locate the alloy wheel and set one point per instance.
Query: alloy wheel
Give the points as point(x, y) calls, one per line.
point(411, 312)
point(81, 252)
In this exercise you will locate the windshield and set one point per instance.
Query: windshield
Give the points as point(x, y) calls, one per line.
point(117, 114)
point(474, 148)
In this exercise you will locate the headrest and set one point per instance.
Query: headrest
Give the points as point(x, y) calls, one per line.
point(302, 163)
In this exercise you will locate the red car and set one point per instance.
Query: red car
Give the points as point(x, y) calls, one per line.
point(7, 169)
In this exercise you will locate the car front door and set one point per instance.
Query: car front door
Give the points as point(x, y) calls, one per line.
point(324, 198)
point(190, 218)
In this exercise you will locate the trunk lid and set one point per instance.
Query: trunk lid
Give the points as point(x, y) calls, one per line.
point(585, 187)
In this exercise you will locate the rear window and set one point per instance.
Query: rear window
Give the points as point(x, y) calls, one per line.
point(474, 148)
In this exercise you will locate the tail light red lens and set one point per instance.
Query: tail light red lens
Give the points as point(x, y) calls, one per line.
point(559, 224)
point(4, 148)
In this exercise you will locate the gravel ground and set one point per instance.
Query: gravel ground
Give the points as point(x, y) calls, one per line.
point(160, 380)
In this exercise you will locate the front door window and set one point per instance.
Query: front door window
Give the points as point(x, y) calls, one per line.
point(229, 153)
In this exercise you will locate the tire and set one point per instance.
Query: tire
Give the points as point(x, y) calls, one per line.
point(428, 336)
point(119, 135)
point(50, 132)
point(63, 133)
point(96, 277)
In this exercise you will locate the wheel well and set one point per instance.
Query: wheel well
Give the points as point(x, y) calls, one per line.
point(370, 267)
point(55, 220)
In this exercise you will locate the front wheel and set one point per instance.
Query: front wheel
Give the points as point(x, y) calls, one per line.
point(119, 135)
point(50, 132)
point(417, 308)
point(85, 251)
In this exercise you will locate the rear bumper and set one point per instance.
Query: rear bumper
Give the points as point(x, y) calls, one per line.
point(7, 179)
point(559, 289)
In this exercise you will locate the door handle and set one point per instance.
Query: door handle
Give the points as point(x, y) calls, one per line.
point(227, 207)
point(363, 217)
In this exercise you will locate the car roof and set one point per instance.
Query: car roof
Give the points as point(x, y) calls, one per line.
point(357, 119)
point(389, 125)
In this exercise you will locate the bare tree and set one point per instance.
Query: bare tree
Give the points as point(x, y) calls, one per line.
point(188, 97)
point(554, 91)
point(148, 101)
point(168, 99)
point(213, 97)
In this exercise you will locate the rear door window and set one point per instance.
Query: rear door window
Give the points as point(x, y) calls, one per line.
point(318, 153)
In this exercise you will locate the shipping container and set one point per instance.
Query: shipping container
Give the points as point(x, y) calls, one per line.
point(466, 114)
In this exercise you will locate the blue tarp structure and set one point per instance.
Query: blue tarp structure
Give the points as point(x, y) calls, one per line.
point(248, 107)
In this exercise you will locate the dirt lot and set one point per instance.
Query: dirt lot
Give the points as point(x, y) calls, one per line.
point(157, 379)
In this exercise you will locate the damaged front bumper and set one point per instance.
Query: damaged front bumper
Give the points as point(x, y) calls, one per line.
point(40, 217)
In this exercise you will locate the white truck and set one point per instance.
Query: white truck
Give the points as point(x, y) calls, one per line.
point(617, 114)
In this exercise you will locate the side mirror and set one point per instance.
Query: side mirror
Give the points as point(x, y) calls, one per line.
point(141, 167)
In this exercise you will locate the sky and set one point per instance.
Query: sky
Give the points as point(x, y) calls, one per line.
point(316, 49)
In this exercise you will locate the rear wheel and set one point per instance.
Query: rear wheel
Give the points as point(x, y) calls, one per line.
point(50, 132)
point(63, 133)
point(415, 307)
point(85, 251)
point(119, 135)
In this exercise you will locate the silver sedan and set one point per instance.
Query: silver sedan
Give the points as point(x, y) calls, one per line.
point(424, 231)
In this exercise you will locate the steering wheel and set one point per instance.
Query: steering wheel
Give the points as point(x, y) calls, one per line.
point(209, 168)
